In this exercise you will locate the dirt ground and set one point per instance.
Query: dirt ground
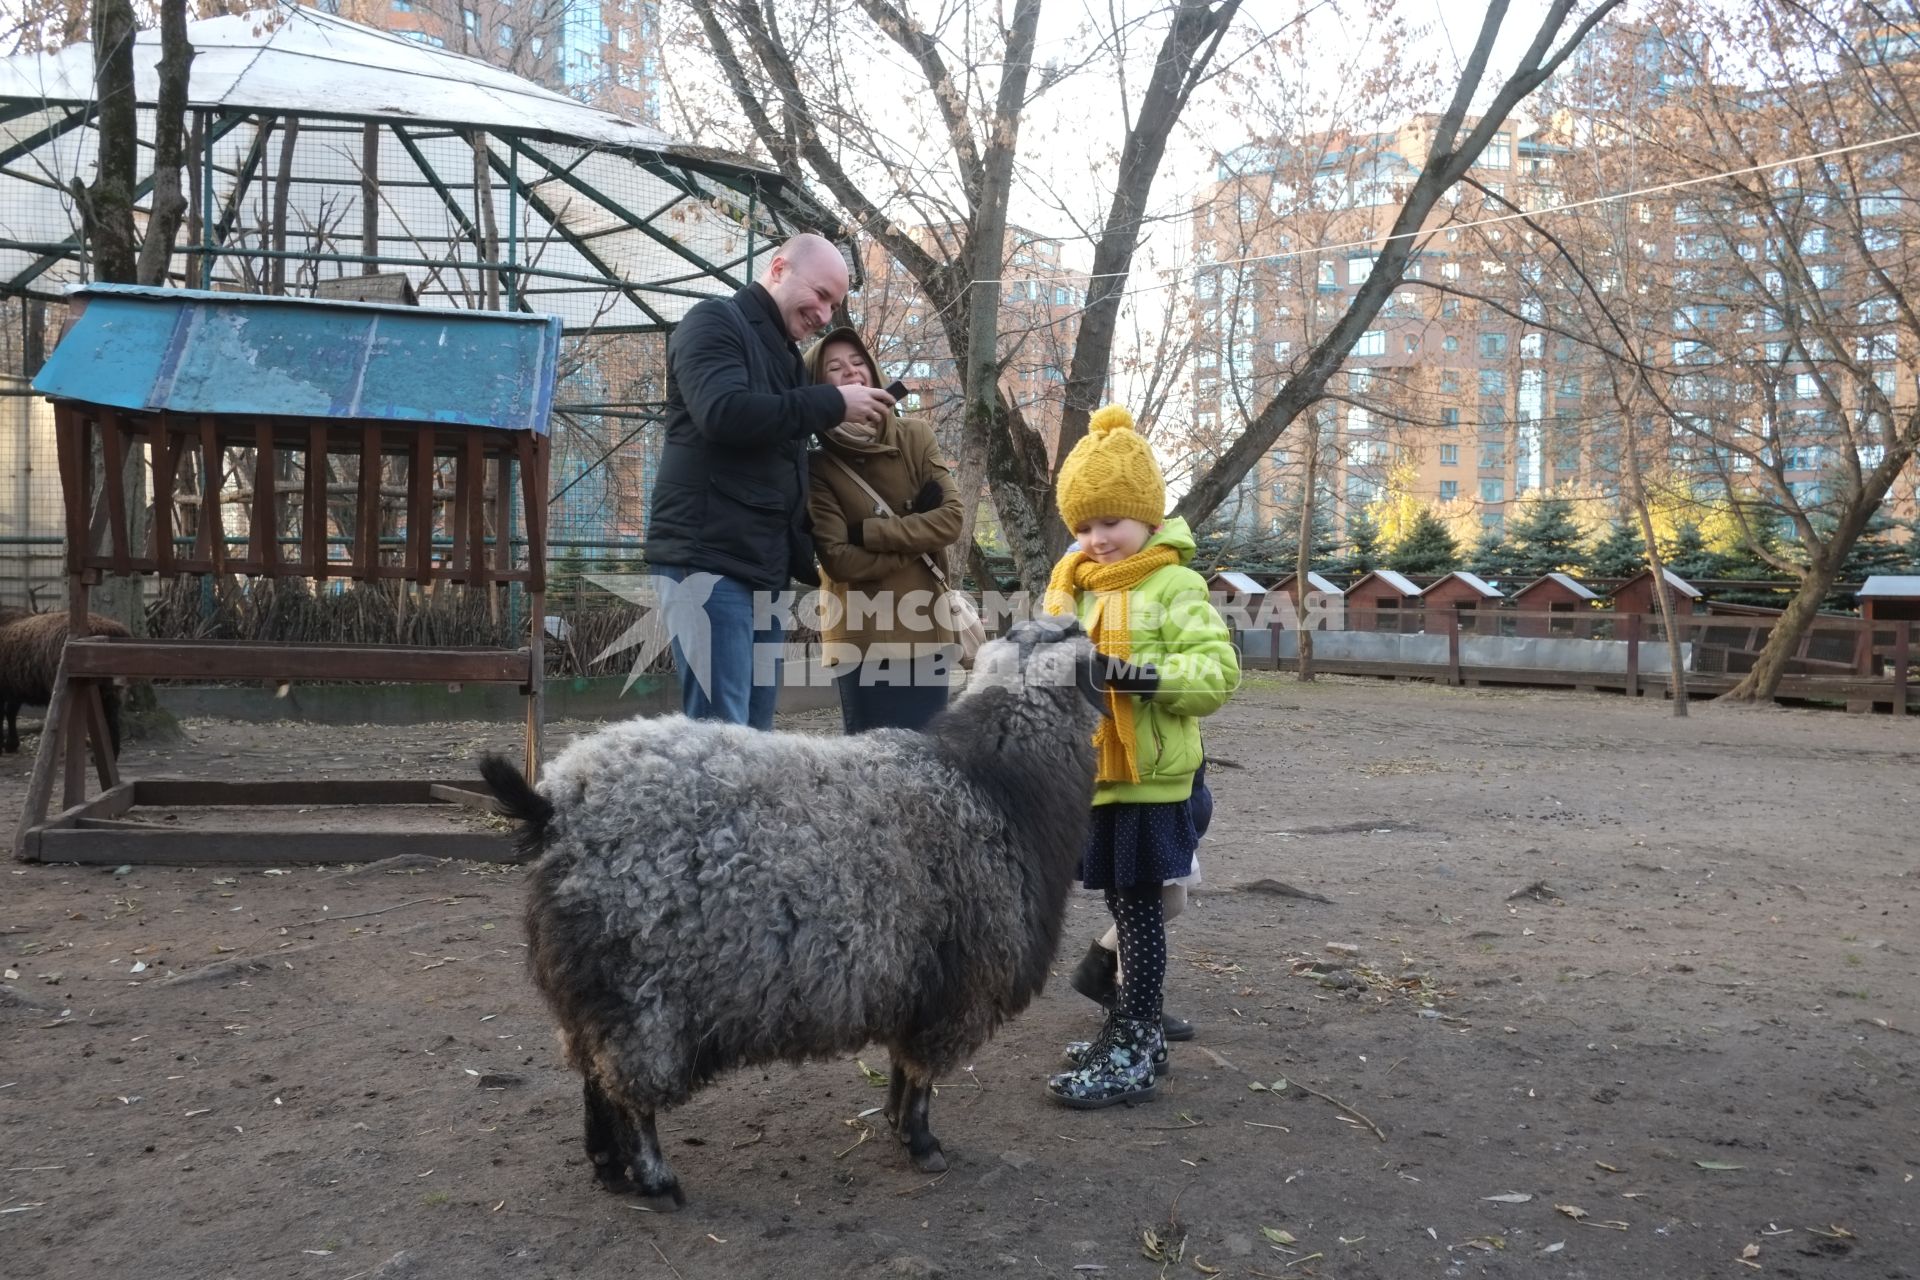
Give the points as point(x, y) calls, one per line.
point(1689, 1051)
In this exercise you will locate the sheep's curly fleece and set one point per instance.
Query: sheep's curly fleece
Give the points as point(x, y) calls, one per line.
point(712, 896)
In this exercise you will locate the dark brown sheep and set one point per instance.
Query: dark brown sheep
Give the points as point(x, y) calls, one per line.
point(30, 647)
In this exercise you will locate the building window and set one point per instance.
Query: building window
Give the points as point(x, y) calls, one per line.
point(1358, 269)
point(1449, 344)
point(1450, 378)
point(1450, 419)
point(1449, 455)
point(1499, 152)
point(1493, 382)
point(1327, 277)
point(1493, 491)
point(470, 20)
point(421, 37)
point(1372, 343)
point(403, 6)
point(1449, 490)
point(1493, 346)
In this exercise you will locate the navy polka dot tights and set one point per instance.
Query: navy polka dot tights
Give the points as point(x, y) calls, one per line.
point(1143, 949)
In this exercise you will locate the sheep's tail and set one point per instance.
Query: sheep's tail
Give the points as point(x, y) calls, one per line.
point(518, 800)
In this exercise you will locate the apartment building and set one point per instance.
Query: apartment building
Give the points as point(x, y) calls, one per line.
point(1470, 389)
point(601, 51)
point(1040, 304)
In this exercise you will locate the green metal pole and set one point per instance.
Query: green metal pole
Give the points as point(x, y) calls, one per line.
point(206, 200)
point(513, 224)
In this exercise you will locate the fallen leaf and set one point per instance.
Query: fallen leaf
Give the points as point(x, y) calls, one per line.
point(1751, 1251)
point(1718, 1164)
point(878, 1079)
point(1510, 1197)
point(1204, 1269)
point(1833, 1232)
point(1555, 1247)
point(1602, 1164)
point(1572, 1211)
point(1278, 1236)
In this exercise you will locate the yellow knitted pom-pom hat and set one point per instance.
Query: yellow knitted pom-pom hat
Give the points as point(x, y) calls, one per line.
point(1111, 472)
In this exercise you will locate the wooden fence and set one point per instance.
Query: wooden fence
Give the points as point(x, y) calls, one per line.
point(1847, 661)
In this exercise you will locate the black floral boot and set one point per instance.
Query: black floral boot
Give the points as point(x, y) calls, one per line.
point(1097, 976)
point(1119, 1067)
point(1079, 1050)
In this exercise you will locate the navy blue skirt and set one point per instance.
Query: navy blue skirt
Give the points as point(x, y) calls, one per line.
point(1134, 845)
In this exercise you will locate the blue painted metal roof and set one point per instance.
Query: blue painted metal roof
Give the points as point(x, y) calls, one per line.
point(188, 351)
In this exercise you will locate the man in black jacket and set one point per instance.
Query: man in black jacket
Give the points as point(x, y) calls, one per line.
point(728, 524)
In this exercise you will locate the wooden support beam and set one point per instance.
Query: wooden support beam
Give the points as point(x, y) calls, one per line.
point(33, 810)
point(313, 517)
point(172, 847)
point(213, 534)
point(263, 544)
point(253, 660)
point(366, 512)
point(99, 737)
point(113, 485)
point(419, 566)
point(165, 461)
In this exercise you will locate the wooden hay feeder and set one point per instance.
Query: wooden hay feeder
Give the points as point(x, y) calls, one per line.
point(345, 414)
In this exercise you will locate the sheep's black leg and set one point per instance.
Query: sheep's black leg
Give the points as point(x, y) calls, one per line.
point(895, 1110)
point(12, 714)
point(650, 1168)
point(921, 1144)
point(608, 1139)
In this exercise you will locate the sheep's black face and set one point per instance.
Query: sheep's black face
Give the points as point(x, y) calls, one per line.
point(1043, 654)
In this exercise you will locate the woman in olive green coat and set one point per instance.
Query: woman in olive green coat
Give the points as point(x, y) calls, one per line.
point(880, 632)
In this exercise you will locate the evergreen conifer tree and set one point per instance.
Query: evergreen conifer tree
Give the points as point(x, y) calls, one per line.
point(1428, 547)
point(1542, 538)
point(1621, 554)
point(1491, 558)
point(1363, 536)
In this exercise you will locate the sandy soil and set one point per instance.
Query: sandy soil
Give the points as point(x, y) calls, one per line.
point(1694, 1036)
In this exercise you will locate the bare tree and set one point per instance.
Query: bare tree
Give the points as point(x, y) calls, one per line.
point(1453, 149)
point(805, 89)
point(1763, 311)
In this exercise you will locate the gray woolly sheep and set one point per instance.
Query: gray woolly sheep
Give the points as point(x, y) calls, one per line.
point(30, 647)
point(709, 897)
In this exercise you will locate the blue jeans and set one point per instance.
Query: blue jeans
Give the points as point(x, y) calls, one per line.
point(909, 696)
point(718, 649)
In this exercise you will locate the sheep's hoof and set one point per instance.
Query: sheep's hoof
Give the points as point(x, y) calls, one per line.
point(668, 1199)
point(930, 1161)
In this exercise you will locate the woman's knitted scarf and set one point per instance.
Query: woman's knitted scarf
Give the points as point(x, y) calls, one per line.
point(1112, 636)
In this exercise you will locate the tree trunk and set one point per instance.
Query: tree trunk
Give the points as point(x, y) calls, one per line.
point(1759, 684)
point(169, 142)
point(106, 207)
point(282, 189)
point(1662, 593)
point(984, 254)
point(1303, 557)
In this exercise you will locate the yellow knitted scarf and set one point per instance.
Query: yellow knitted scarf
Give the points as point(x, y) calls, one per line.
point(1111, 636)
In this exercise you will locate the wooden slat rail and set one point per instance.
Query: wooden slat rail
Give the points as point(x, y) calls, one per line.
point(244, 660)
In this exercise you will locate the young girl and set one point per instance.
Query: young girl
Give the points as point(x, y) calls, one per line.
point(1169, 660)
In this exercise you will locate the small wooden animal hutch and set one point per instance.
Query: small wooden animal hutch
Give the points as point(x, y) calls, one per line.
point(334, 409)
